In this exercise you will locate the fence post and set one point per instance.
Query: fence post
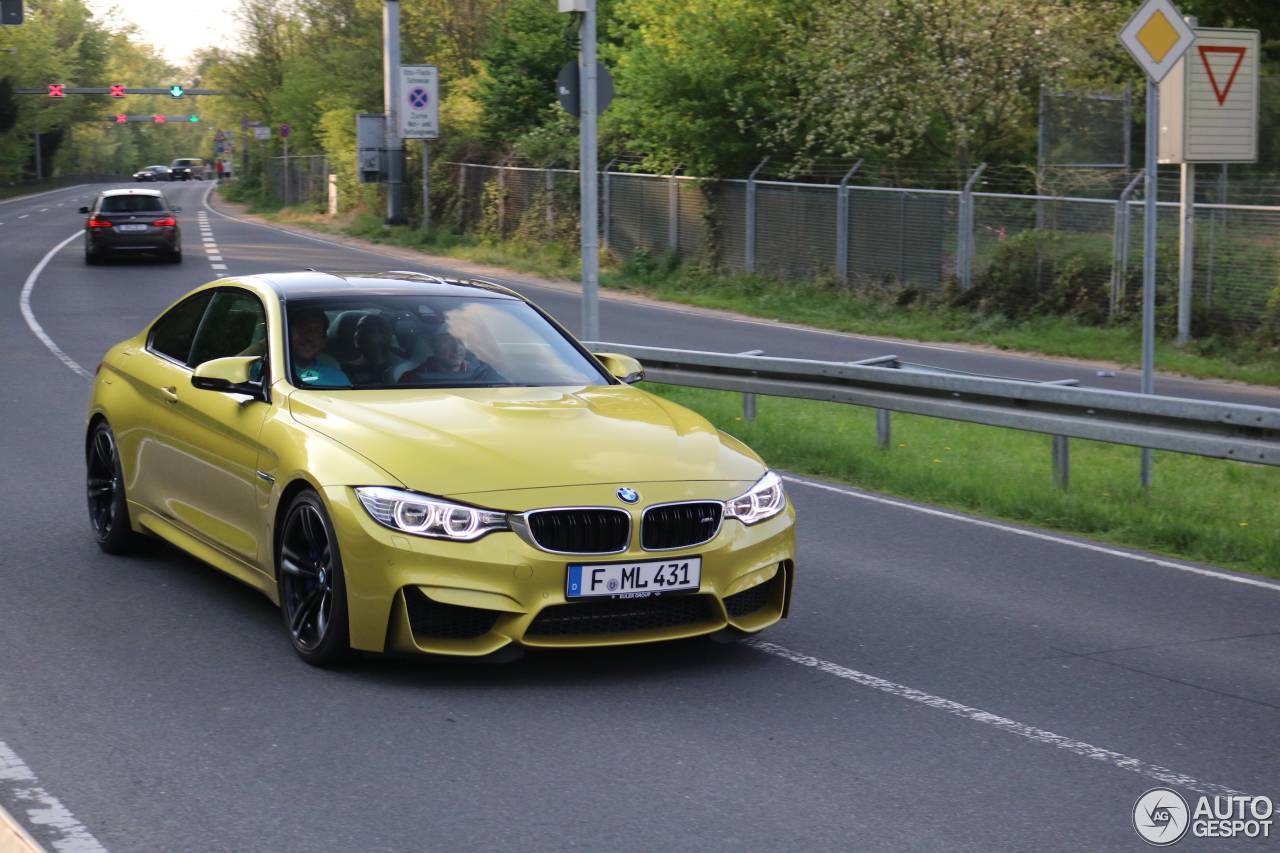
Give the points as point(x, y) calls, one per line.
point(1186, 249)
point(1120, 245)
point(607, 203)
point(1061, 462)
point(750, 260)
point(966, 246)
point(673, 211)
point(502, 197)
point(462, 193)
point(842, 226)
point(750, 404)
point(551, 195)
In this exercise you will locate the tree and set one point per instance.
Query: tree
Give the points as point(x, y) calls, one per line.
point(956, 77)
point(8, 106)
point(700, 83)
point(520, 64)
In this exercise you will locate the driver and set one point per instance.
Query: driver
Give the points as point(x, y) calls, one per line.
point(448, 362)
point(308, 336)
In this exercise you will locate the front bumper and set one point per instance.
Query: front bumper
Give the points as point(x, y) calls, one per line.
point(410, 594)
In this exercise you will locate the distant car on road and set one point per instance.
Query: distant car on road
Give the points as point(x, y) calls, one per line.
point(131, 221)
point(422, 466)
point(187, 169)
point(154, 173)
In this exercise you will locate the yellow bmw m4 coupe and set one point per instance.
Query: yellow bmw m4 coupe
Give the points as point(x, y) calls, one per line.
point(414, 465)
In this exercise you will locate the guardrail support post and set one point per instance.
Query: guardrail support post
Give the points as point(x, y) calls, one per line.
point(842, 226)
point(966, 247)
point(750, 402)
point(750, 259)
point(884, 429)
point(1120, 245)
point(1061, 462)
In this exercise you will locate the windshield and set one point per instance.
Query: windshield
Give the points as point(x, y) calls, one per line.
point(131, 204)
point(429, 341)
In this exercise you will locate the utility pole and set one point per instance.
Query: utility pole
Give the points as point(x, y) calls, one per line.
point(391, 101)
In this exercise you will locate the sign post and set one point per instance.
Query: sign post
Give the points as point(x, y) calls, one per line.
point(391, 106)
point(284, 137)
point(420, 119)
point(1156, 36)
point(1209, 104)
point(589, 111)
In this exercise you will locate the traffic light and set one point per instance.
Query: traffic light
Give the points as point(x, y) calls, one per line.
point(55, 90)
point(117, 91)
point(195, 118)
point(122, 119)
point(175, 91)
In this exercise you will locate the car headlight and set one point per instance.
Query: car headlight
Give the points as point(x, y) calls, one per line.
point(763, 500)
point(424, 516)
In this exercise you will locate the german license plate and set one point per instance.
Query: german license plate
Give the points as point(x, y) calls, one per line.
point(132, 227)
point(641, 579)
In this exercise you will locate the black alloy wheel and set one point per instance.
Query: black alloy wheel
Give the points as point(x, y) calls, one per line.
point(108, 508)
point(313, 594)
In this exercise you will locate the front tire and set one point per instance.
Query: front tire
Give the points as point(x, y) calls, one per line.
point(313, 591)
point(108, 507)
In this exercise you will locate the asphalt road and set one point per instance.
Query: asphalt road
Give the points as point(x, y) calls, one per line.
point(944, 683)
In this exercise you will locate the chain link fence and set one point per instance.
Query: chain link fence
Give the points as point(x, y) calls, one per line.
point(297, 180)
point(894, 237)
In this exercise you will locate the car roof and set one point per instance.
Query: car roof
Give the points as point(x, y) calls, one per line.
point(316, 283)
point(130, 191)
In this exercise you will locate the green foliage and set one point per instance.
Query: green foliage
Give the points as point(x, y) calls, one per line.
point(1045, 273)
point(701, 83)
point(524, 55)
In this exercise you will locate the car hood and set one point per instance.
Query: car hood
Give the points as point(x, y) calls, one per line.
point(468, 441)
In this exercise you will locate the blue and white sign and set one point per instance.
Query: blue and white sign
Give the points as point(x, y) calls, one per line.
point(419, 108)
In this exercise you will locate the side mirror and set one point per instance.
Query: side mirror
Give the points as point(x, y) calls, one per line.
point(84, 210)
point(622, 367)
point(176, 209)
point(233, 375)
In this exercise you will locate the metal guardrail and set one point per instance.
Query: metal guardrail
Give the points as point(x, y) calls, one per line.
point(1218, 430)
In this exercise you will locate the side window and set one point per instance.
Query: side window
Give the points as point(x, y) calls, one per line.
point(173, 333)
point(235, 324)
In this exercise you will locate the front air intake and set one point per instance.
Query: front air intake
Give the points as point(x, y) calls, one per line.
point(684, 525)
point(580, 531)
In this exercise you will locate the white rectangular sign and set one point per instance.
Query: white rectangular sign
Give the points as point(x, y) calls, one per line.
point(1209, 101)
point(419, 110)
point(262, 133)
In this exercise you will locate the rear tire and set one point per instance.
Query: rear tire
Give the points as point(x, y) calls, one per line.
point(174, 257)
point(92, 258)
point(313, 591)
point(108, 506)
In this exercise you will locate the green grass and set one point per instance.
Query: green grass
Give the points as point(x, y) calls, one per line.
point(1210, 510)
point(825, 306)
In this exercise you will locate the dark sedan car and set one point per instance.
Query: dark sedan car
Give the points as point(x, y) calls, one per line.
point(154, 173)
point(131, 221)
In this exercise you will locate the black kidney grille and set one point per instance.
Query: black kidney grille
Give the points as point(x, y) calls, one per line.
point(439, 621)
point(680, 525)
point(750, 600)
point(581, 531)
point(616, 616)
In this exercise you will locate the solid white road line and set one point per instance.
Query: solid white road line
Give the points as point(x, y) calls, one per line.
point(1037, 534)
point(20, 786)
point(37, 195)
point(1097, 753)
point(24, 301)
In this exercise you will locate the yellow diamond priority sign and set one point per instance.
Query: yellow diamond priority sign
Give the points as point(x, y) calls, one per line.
point(1157, 37)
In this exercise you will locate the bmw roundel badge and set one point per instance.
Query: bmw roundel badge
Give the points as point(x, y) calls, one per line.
point(627, 495)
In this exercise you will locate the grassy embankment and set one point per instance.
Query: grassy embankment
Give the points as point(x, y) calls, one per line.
point(1211, 510)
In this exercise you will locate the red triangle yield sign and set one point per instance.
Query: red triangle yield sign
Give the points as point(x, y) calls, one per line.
point(1222, 91)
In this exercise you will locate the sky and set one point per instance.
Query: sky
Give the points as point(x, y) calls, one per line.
point(175, 27)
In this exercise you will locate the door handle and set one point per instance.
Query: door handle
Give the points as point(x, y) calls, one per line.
point(170, 394)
